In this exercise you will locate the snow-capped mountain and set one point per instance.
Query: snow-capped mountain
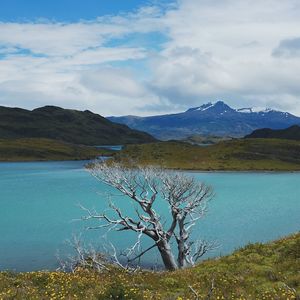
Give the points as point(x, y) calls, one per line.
point(223, 107)
point(210, 119)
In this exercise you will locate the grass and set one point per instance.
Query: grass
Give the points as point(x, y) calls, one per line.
point(35, 149)
point(257, 271)
point(234, 155)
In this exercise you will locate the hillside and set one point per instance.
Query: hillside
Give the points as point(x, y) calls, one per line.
point(239, 155)
point(290, 133)
point(45, 149)
point(77, 127)
point(257, 271)
point(217, 119)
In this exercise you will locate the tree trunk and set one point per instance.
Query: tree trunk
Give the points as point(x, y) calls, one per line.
point(182, 246)
point(167, 256)
point(182, 262)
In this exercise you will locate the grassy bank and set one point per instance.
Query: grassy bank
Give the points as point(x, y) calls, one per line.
point(234, 155)
point(34, 149)
point(258, 271)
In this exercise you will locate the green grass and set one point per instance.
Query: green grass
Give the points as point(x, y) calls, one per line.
point(257, 271)
point(34, 149)
point(234, 155)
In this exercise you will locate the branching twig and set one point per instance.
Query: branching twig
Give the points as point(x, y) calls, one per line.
point(210, 293)
point(194, 292)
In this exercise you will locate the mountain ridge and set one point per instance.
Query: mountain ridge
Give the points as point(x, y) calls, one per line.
point(217, 119)
point(73, 126)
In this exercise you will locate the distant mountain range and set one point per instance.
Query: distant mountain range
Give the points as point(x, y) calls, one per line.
point(73, 126)
point(291, 133)
point(216, 119)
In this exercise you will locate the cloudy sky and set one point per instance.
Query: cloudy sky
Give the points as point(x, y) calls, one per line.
point(144, 57)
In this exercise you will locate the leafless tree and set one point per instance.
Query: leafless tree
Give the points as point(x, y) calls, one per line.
point(145, 186)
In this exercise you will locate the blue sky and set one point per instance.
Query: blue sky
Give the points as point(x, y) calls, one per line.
point(118, 57)
point(64, 10)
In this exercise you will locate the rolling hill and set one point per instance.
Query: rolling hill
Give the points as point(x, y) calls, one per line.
point(232, 155)
point(217, 119)
point(290, 133)
point(73, 126)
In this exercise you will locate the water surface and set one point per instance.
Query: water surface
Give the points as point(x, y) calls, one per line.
point(39, 203)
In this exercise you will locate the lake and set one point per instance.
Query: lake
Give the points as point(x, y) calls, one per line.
point(39, 211)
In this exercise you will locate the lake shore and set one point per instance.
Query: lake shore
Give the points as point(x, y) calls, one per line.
point(252, 155)
point(252, 171)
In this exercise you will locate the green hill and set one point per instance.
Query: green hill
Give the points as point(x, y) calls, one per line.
point(257, 271)
point(239, 155)
point(290, 133)
point(77, 127)
point(45, 149)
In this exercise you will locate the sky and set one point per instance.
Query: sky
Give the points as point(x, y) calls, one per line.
point(147, 57)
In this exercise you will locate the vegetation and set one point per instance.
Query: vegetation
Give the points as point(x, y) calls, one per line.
point(235, 155)
point(206, 139)
point(73, 126)
point(45, 149)
point(258, 271)
point(291, 133)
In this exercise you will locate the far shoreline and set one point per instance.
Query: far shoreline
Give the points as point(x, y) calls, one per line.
point(258, 171)
point(219, 170)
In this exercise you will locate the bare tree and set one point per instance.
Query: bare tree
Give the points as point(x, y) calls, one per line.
point(186, 199)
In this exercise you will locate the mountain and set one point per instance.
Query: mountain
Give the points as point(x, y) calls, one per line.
point(77, 127)
point(210, 119)
point(290, 133)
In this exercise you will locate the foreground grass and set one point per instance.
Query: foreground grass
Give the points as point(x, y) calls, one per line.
point(35, 149)
point(258, 271)
point(234, 155)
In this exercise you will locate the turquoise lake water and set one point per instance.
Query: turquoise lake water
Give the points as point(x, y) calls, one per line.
point(39, 211)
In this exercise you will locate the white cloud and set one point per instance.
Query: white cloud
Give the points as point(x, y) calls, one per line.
point(69, 64)
point(214, 49)
point(223, 49)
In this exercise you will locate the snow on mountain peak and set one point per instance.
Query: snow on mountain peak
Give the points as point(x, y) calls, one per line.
point(254, 110)
point(205, 106)
point(221, 107)
point(208, 105)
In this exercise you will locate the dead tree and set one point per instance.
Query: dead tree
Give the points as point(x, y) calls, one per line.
point(186, 199)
